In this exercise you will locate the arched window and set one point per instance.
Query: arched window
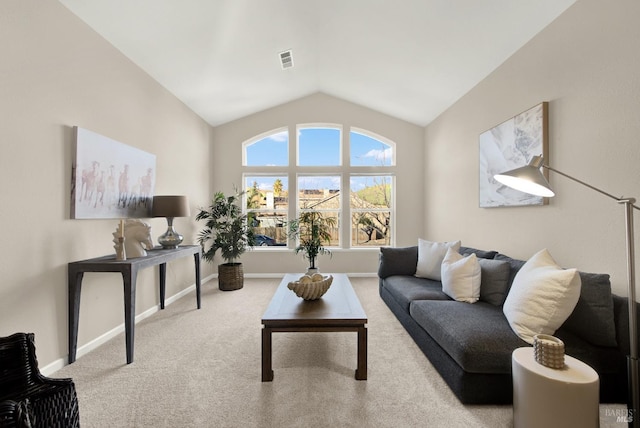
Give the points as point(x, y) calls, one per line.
point(269, 149)
point(370, 150)
point(276, 190)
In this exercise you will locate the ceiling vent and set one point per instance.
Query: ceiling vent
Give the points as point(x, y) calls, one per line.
point(286, 59)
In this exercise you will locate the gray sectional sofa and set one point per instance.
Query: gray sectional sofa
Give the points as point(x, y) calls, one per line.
point(470, 345)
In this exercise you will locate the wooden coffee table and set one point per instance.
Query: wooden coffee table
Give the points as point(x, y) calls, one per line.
point(338, 310)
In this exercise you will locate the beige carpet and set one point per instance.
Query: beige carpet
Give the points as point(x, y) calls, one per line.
point(201, 368)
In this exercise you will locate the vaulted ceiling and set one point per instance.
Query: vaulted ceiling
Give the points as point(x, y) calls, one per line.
point(410, 59)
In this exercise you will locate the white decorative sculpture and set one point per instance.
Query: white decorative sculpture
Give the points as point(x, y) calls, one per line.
point(137, 238)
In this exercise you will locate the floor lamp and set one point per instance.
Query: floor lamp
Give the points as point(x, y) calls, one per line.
point(529, 179)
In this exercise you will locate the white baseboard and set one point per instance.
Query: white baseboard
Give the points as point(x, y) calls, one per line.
point(53, 367)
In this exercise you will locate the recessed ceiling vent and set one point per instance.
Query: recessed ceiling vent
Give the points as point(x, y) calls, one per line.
point(286, 59)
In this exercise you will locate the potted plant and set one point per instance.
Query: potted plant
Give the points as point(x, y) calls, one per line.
point(227, 230)
point(311, 230)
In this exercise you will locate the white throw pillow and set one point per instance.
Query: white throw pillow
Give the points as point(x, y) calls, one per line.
point(542, 297)
point(430, 256)
point(461, 276)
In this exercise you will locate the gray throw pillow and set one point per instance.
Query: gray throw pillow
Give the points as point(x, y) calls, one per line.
point(397, 261)
point(494, 280)
point(466, 251)
point(514, 263)
point(593, 318)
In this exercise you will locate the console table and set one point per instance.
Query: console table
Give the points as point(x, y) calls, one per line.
point(129, 270)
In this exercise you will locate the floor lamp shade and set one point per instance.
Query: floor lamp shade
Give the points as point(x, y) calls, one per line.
point(529, 179)
point(170, 206)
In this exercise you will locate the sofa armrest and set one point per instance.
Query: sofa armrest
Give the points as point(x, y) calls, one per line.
point(398, 261)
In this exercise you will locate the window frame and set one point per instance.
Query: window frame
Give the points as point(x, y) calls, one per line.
point(344, 170)
point(337, 127)
point(299, 209)
point(373, 136)
point(285, 211)
point(260, 137)
point(390, 209)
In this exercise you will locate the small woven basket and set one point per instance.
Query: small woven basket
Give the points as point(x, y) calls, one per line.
point(548, 351)
point(311, 290)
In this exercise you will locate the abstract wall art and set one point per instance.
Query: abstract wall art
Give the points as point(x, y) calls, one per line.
point(510, 145)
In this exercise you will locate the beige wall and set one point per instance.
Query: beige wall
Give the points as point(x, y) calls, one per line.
point(586, 64)
point(55, 73)
point(322, 108)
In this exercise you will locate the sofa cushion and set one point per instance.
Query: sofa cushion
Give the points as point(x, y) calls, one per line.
point(494, 280)
point(478, 337)
point(430, 256)
point(542, 297)
point(592, 319)
point(405, 289)
point(482, 254)
point(461, 276)
point(515, 265)
point(397, 261)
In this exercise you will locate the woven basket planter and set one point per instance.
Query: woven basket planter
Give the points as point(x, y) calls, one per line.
point(230, 276)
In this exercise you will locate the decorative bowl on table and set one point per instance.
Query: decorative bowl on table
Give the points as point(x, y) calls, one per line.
point(311, 287)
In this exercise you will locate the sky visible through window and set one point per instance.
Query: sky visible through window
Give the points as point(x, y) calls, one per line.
point(368, 151)
point(318, 146)
point(272, 150)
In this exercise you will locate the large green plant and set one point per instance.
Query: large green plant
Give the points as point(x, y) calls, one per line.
point(226, 227)
point(311, 230)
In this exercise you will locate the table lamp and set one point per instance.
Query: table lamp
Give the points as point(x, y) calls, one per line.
point(529, 179)
point(170, 207)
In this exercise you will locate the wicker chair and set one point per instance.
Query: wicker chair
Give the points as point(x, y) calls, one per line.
point(27, 398)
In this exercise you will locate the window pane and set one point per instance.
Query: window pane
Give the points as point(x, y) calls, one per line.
point(371, 191)
point(333, 231)
point(318, 147)
point(320, 192)
point(371, 210)
point(267, 206)
point(269, 228)
point(370, 229)
point(272, 150)
point(267, 192)
point(369, 151)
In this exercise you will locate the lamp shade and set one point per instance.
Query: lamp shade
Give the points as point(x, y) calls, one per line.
point(170, 206)
point(528, 179)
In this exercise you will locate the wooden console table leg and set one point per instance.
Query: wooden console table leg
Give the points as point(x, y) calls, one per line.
point(267, 371)
point(197, 261)
point(129, 310)
point(361, 371)
point(163, 282)
point(75, 286)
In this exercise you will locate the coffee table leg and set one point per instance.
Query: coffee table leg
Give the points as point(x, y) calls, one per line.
point(361, 371)
point(267, 372)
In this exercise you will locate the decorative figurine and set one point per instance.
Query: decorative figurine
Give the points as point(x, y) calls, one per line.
point(135, 236)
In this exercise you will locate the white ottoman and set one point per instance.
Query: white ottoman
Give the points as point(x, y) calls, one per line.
point(545, 397)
